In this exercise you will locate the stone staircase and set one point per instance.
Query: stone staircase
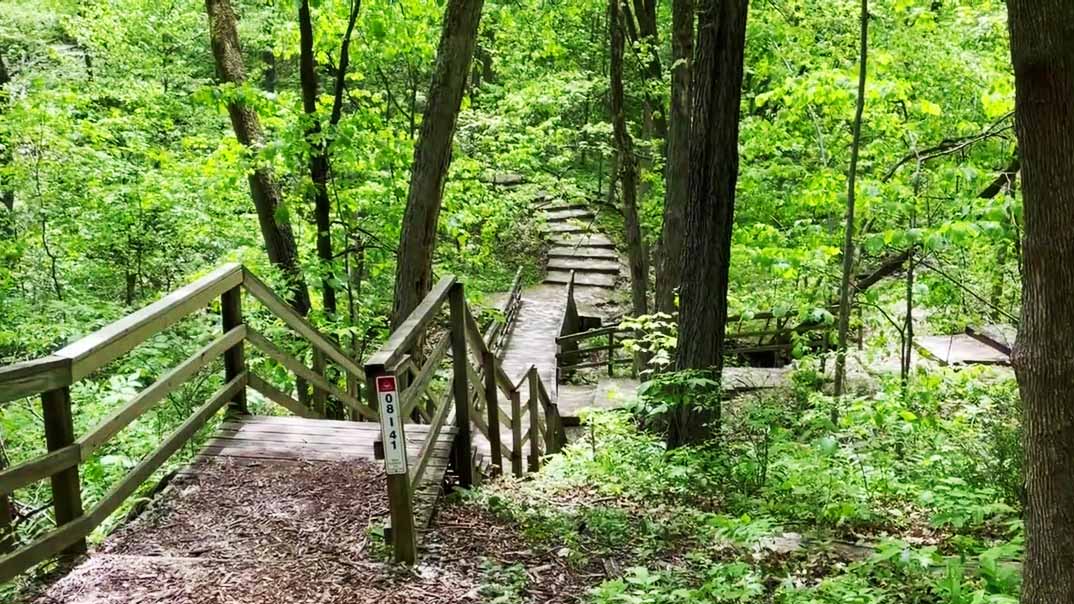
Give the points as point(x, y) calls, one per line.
point(576, 246)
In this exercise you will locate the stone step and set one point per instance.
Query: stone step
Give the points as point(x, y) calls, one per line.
point(559, 206)
point(589, 279)
point(576, 214)
point(566, 227)
point(563, 251)
point(584, 265)
point(583, 241)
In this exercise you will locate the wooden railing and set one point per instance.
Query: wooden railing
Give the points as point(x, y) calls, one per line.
point(603, 347)
point(469, 400)
point(499, 331)
point(52, 377)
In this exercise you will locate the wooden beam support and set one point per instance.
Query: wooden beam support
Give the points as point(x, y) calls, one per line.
point(462, 451)
point(60, 434)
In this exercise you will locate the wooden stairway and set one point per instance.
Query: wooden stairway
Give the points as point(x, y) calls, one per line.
point(576, 246)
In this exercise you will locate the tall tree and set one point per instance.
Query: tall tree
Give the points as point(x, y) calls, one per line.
point(845, 291)
point(318, 160)
point(628, 166)
point(432, 156)
point(678, 156)
point(7, 195)
point(716, 86)
point(1043, 55)
point(275, 227)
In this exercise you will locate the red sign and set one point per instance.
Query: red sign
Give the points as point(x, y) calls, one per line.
point(386, 383)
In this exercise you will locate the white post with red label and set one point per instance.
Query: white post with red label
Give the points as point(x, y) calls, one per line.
point(391, 425)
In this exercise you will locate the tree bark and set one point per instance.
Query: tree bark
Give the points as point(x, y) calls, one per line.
point(1043, 55)
point(432, 156)
point(628, 167)
point(318, 160)
point(716, 86)
point(845, 291)
point(7, 194)
point(275, 228)
point(678, 152)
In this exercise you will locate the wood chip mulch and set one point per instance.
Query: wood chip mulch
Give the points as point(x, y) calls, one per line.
point(276, 532)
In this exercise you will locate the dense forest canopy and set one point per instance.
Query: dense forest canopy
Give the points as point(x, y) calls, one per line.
point(141, 147)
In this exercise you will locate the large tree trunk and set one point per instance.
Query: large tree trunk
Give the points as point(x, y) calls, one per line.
point(1043, 56)
point(276, 230)
point(845, 291)
point(678, 152)
point(432, 156)
point(717, 95)
point(628, 167)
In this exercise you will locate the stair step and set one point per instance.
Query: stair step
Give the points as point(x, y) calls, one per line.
point(590, 279)
point(594, 253)
point(566, 227)
point(560, 207)
point(561, 215)
point(583, 241)
point(584, 265)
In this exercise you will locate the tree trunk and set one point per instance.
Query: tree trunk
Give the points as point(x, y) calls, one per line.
point(275, 228)
point(318, 162)
point(432, 156)
point(848, 239)
point(717, 95)
point(678, 151)
point(1043, 56)
point(628, 167)
point(7, 194)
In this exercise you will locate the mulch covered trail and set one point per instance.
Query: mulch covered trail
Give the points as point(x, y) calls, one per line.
point(233, 531)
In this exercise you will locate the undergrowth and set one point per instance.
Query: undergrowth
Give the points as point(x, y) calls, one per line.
point(911, 497)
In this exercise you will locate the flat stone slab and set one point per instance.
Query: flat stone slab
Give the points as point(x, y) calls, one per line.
point(559, 206)
point(959, 349)
point(566, 227)
point(590, 279)
point(582, 252)
point(583, 241)
point(571, 214)
point(584, 265)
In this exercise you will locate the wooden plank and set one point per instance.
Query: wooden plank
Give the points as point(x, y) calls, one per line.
point(412, 395)
point(59, 434)
point(234, 357)
point(264, 345)
point(109, 343)
point(300, 324)
point(403, 339)
point(280, 398)
point(33, 377)
point(592, 333)
point(148, 398)
point(516, 433)
point(429, 444)
point(474, 332)
point(535, 419)
point(328, 442)
point(28, 472)
point(44, 547)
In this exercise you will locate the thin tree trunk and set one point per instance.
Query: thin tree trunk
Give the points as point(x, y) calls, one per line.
point(318, 161)
point(848, 239)
point(628, 167)
point(275, 228)
point(678, 152)
point(1043, 55)
point(716, 86)
point(7, 194)
point(432, 156)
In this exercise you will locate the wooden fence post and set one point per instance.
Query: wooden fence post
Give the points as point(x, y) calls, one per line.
point(516, 433)
point(59, 433)
point(492, 404)
point(320, 397)
point(400, 495)
point(234, 357)
point(535, 421)
point(463, 459)
point(611, 354)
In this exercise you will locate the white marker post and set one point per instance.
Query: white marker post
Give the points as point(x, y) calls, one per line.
point(391, 426)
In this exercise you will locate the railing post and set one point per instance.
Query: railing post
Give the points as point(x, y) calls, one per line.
point(516, 432)
point(383, 393)
point(234, 358)
point(492, 408)
point(464, 466)
point(611, 354)
point(320, 397)
point(535, 421)
point(59, 433)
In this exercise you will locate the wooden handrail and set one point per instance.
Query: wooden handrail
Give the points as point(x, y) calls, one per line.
point(414, 392)
point(109, 343)
point(27, 378)
point(264, 294)
point(436, 425)
point(402, 339)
